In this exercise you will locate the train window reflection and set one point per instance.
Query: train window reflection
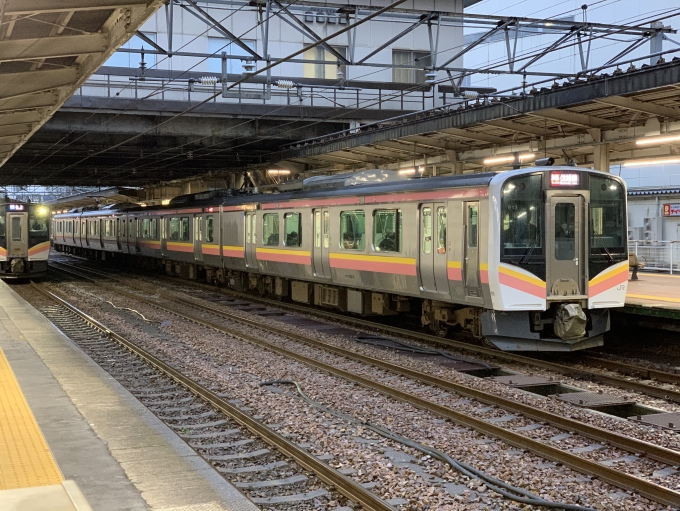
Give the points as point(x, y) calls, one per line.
point(209, 229)
point(353, 230)
point(441, 230)
point(427, 231)
point(270, 229)
point(565, 238)
point(16, 228)
point(473, 221)
point(184, 228)
point(521, 215)
point(293, 232)
point(173, 230)
point(387, 230)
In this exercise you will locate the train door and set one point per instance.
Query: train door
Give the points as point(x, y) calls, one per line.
point(322, 243)
point(198, 238)
point(565, 259)
point(433, 277)
point(17, 241)
point(251, 240)
point(119, 235)
point(471, 249)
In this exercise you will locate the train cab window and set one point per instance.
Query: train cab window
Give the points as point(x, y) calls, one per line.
point(608, 231)
point(292, 230)
point(441, 230)
point(521, 224)
point(270, 229)
point(352, 230)
point(209, 229)
point(565, 220)
point(184, 228)
point(387, 230)
point(16, 228)
point(173, 230)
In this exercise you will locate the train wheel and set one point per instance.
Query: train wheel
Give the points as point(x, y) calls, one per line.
point(440, 329)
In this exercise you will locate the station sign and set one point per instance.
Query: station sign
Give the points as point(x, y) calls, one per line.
point(564, 179)
point(671, 210)
point(16, 207)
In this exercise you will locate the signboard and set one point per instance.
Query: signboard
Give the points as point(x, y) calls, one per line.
point(16, 207)
point(564, 179)
point(671, 210)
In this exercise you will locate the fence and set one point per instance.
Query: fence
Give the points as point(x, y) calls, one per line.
point(657, 255)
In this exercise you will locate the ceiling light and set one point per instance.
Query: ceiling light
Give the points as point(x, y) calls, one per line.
point(407, 172)
point(658, 161)
point(277, 172)
point(665, 139)
point(499, 159)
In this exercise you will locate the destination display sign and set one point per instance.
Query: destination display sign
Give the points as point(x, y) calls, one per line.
point(671, 210)
point(564, 179)
point(16, 207)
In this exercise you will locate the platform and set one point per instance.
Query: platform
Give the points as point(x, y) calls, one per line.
point(654, 294)
point(71, 438)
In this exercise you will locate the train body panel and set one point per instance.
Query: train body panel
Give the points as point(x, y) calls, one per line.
point(530, 259)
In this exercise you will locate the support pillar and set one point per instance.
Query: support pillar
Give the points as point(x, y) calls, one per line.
point(601, 157)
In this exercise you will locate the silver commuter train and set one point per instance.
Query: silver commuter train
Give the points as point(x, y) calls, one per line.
point(24, 239)
point(530, 259)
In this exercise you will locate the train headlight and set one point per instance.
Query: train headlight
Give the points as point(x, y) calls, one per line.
point(43, 211)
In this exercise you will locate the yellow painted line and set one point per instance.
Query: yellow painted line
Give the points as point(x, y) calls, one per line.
point(454, 264)
point(227, 247)
point(521, 276)
point(655, 298)
point(373, 259)
point(664, 275)
point(211, 246)
point(283, 251)
point(621, 269)
point(179, 244)
point(25, 458)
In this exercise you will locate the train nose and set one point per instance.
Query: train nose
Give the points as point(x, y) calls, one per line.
point(570, 321)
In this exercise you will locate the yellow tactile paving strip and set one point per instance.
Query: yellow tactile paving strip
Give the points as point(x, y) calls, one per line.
point(25, 458)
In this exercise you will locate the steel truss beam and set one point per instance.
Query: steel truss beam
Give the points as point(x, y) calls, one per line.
point(51, 47)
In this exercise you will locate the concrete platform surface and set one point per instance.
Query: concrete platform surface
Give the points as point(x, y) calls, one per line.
point(118, 453)
point(654, 290)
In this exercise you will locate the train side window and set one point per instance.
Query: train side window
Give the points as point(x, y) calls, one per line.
point(427, 230)
point(249, 220)
point(16, 228)
point(153, 228)
point(353, 230)
point(174, 229)
point(441, 230)
point(184, 228)
point(292, 230)
point(209, 229)
point(145, 228)
point(270, 229)
point(317, 229)
point(473, 217)
point(387, 230)
point(2, 225)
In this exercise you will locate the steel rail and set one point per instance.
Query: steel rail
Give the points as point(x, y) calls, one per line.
point(573, 372)
point(631, 369)
point(346, 486)
point(609, 475)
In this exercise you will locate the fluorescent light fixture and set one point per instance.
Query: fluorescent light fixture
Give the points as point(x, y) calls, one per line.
point(509, 158)
point(664, 139)
point(657, 161)
point(278, 172)
point(407, 172)
point(165, 202)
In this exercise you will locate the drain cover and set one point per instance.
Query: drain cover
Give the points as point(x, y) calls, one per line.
point(664, 420)
point(593, 399)
point(522, 380)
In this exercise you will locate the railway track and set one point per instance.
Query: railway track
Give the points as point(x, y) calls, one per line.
point(206, 313)
point(234, 442)
point(654, 388)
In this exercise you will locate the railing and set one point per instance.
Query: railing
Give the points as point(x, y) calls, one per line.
point(386, 98)
point(657, 255)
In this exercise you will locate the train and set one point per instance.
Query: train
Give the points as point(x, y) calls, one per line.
point(24, 239)
point(531, 259)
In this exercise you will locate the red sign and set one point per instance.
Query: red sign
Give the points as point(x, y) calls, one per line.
point(671, 210)
point(564, 179)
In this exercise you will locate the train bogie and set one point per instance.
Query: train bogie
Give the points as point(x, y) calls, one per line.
point(527, 260)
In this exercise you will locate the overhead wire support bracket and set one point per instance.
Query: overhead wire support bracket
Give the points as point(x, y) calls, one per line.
point(501, 26)
point(150, 41)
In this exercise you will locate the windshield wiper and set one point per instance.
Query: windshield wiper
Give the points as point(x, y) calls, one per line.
point(611, 259)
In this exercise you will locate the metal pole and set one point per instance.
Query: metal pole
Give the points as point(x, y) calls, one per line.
point(670, 245)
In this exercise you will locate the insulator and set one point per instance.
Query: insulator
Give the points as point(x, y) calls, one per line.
point(209, 80)
point(470, 94)
point(285, 84)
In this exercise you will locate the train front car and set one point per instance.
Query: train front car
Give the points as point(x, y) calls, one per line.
point(558, 258)
point(24, 239)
